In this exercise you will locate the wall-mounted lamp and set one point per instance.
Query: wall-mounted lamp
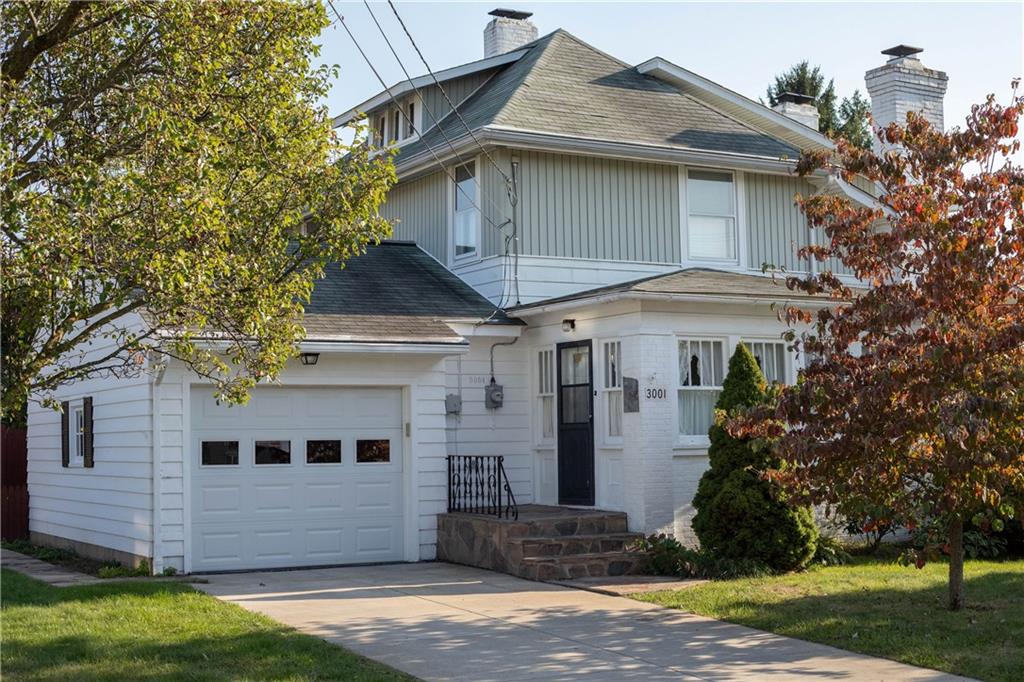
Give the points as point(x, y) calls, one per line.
point(568, 325)
point(309, 358)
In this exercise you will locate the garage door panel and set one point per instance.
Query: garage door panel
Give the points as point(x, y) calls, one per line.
point(296, 514)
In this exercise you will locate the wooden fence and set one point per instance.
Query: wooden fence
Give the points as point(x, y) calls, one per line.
point(14, 483)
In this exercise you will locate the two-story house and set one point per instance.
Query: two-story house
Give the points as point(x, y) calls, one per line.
point(579, 245)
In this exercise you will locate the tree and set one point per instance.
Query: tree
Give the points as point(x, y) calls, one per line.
point(159, 160)
point(914, 401)
point(849, 119)
point(740, 514)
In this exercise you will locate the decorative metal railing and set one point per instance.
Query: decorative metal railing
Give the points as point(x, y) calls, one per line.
point(477, 484)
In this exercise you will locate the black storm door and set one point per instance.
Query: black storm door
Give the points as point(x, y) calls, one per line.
point(575, 424)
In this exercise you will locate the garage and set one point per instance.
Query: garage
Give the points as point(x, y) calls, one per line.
point(297, 477)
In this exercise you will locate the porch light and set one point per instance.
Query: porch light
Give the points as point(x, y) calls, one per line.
point(568, 325)
point(309, 358)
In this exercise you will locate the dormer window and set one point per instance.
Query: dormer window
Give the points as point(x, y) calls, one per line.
point(396, 125)
point(711, 215)
point(379, 124)
point(410, 121)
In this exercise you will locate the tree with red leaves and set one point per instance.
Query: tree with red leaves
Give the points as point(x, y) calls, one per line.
point(914, 399)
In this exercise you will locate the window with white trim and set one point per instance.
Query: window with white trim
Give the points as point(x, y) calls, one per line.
point(378, 130)
point(545, 397)
point(711, 215)
point(77, 440)
point(612, 390)
point(701, 373)
point(467, 216)
point(771, 358)
point(409, 128)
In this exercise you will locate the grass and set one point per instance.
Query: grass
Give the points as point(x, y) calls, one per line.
point(60, 557)
point(156, 631)
point(879, 608)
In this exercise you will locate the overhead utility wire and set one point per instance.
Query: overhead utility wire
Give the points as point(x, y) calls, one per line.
point(508, 180)
point(433, 118)
point(447, 172)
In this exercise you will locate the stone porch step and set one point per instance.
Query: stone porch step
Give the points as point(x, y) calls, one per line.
point(567, 545)
point(569, 567)
point(584, 523)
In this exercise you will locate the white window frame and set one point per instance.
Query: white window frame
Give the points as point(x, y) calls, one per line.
point(417, 120)
point(452, 192)
point(739, 220)
point(610, 386)
point(788, 364)
point(544, 389)
point(76, 433)
point(695, 440)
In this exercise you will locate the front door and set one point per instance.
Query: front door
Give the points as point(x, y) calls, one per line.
point(575, 424)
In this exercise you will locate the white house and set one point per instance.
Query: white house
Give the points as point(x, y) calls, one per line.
point(603, 306)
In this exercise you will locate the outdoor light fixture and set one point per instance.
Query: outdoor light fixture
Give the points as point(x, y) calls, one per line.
point(568, 325)
point(309, 358)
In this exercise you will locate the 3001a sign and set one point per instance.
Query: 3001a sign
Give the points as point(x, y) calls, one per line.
point(655, 393)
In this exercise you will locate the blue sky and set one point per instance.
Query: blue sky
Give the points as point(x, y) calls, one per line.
point(740, 45)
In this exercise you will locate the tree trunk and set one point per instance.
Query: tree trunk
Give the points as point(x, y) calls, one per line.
point(956, 563)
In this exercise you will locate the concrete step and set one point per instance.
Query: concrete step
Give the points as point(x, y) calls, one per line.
point(561, 526)
point(565, 545)
point(569, 567)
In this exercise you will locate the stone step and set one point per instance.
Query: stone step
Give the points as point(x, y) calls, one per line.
point(573, 566)
point(584, 524)
point(566, 545)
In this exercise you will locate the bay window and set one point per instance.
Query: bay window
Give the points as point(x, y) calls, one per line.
point(701, 373)
point(711, 215)
point(771, 358)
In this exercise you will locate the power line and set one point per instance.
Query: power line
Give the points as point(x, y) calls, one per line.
point(408, 78)
point(508, 180)
point(384, 85)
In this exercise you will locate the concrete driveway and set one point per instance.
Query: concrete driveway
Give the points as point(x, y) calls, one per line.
point(445, 622)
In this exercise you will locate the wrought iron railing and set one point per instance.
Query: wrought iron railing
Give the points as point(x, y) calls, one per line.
point(477, 484)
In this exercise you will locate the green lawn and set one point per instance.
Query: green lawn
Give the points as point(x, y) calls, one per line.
point(882, 609)
point(156, 631)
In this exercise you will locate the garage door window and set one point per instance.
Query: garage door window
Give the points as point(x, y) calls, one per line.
point(373, 451)
point(273, 452)
point(220, 453)
point(323, 452)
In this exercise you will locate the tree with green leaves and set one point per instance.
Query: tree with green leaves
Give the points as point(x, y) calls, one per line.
point(159, 162)
point(847, 119)
point(740, 514)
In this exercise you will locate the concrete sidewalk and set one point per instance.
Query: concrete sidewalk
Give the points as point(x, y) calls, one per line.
point(444, 622)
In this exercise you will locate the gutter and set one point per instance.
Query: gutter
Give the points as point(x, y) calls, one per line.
point(539, 309)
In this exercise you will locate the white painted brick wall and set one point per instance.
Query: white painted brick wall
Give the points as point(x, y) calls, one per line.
point(905, 85)
point(503, 35)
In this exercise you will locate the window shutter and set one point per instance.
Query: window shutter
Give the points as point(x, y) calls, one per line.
point(65, 433)
point(87, 415)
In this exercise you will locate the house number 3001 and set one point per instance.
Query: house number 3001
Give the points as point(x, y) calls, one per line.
point(656, 394)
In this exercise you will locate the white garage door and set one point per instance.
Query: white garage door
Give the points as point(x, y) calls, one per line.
point(298, 477)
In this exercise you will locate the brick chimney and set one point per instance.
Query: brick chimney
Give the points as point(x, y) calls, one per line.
point(508, 30)
point(798, 107)
point(904, 84)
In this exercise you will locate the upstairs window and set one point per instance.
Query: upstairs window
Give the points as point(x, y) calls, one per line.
point(409, 128)
point(395, 125)
point(467, 217)
point(379, 124)
point(711, 215)
point(701, 373)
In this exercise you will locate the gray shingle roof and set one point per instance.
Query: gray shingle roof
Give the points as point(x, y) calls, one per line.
point(395, 292)
point(564, 86)
point(690, 282)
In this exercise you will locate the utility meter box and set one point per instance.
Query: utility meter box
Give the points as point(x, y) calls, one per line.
point(494, 395)
point(453, 403)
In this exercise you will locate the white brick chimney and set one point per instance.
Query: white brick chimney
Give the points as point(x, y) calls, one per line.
point(798, 107)
point(508, 30)
point(904, 84)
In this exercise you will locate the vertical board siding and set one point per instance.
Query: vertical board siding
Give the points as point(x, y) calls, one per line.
point(418, 210)
point(582, 207)
point(776, 228)
point(494, 201)
point(457, 90)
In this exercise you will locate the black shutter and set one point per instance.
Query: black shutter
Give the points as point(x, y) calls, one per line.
point(65, 432)
point(87, 439)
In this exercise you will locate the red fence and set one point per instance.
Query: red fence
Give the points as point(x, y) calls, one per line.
point(14, 483)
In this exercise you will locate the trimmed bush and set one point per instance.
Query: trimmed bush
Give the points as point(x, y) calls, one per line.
point(741, 516)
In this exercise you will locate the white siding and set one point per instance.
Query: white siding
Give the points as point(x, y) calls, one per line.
point(110, 504)
point(504, 431)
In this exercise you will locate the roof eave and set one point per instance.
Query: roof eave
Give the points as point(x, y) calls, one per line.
point(762, 117)
point(540, 308)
